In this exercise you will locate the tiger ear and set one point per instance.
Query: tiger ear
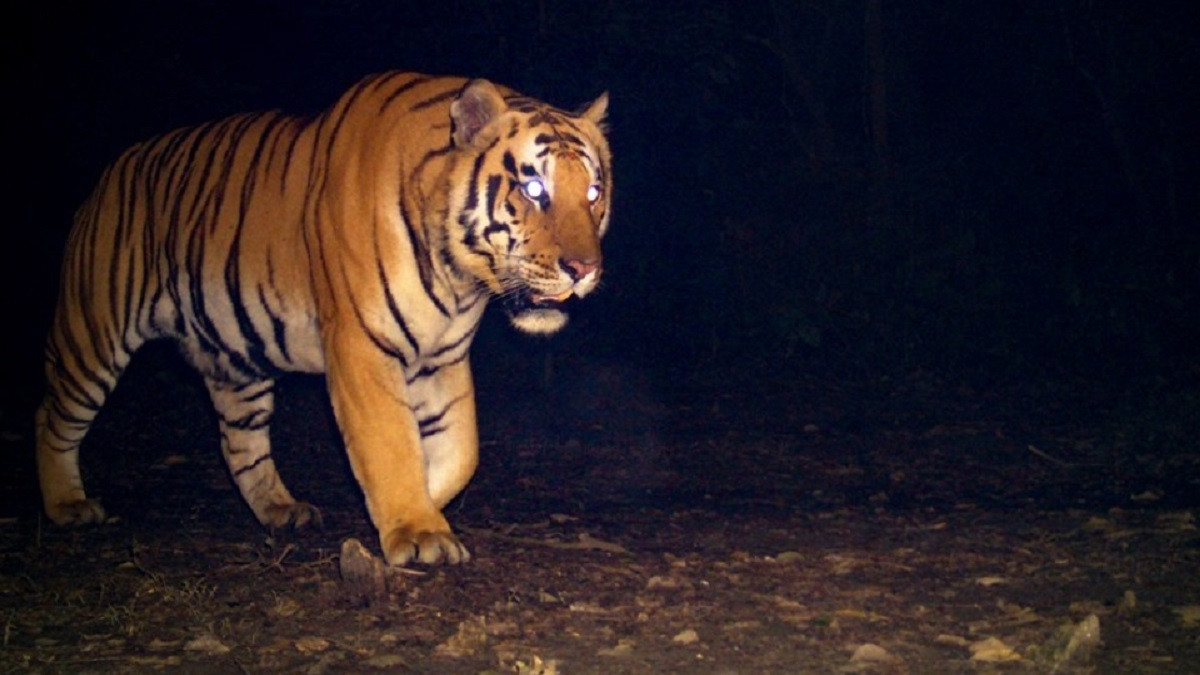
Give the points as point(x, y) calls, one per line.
point(476, 106)
point(596, 111)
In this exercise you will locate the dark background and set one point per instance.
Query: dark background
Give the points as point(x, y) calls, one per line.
point(996, 192)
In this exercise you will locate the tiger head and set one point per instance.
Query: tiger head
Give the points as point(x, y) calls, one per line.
point(529, 201)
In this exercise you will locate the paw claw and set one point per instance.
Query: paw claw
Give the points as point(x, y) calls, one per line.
point(294, 515)
point(78, 512)
point(429, 548)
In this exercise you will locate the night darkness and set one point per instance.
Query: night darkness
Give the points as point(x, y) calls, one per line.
point(991, 197)
point(985, 191)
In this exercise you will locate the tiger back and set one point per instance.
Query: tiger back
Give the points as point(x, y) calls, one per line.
point(363, 243)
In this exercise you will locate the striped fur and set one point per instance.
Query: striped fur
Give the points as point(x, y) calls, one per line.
point(363, 243)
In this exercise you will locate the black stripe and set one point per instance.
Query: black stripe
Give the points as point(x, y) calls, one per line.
point(287, 156)
point(255, 345)
point(398, 91)
point(463, 340)
point(397, 316)
point(434, 100)
point(420, 249)
point(433, 420)
point(493, 189)
point(260, 394)
point(278, 327)
point(376, 339)
point(255, 420)
point(251, 466)
point(431, 369)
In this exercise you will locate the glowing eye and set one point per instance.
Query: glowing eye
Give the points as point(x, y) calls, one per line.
point(534, 189)
point(593, 193)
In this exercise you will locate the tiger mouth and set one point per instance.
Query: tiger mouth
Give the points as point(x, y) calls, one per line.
point(526, 300)
point(555, 299)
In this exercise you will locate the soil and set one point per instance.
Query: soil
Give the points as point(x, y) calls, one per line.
point(626, 520)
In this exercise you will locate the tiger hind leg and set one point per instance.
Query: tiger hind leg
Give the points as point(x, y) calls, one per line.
point(244, 411)
point(77, 385)
point(58, 439)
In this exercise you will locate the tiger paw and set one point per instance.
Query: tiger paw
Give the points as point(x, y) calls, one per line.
point(402, 546)
point(76, 512)
point(293, 514)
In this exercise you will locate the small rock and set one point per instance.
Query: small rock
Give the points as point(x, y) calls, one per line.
point(686, 637)
point(328, 662)
point(871, 653)
point(363, 575)
point(658, 581)
point(623, 648)
point(537, 666)
point(992, 650)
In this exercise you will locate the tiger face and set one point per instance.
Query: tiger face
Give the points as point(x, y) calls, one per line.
point(536, 204)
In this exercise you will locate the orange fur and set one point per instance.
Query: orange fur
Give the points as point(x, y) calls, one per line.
point(363, 243)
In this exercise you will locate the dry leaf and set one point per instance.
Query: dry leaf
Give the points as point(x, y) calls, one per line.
point(1084, 637)
point(851, 614)
point(993, 650)
point(1189, 615)
point(659, 581)
point(537, 667)
point(312, 644)
point(386, 661)
point(624, 647)
point(206, 644)
point(1128, 602)
point(470, 638)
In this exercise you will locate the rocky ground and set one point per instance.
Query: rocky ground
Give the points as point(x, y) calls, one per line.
point(628, 521)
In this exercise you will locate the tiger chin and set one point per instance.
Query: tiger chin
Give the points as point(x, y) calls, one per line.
point(363, 243)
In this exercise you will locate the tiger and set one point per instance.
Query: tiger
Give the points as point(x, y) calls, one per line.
point(362, 243)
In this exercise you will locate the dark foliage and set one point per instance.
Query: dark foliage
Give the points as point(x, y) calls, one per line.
point(989, 188)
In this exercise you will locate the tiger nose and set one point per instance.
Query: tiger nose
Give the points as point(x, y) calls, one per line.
point(578, 269)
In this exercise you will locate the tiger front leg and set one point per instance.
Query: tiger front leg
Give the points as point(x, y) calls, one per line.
point(380, 430)
point(449, 433)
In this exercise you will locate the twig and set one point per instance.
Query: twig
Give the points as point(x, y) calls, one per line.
point(1049, 458)
point(586, 542)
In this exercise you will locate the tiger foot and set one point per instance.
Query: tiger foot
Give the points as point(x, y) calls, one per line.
point(292, 514)
point(77, 512)
point(402, 546)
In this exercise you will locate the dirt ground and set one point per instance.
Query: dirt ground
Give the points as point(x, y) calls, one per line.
point(628, 522)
